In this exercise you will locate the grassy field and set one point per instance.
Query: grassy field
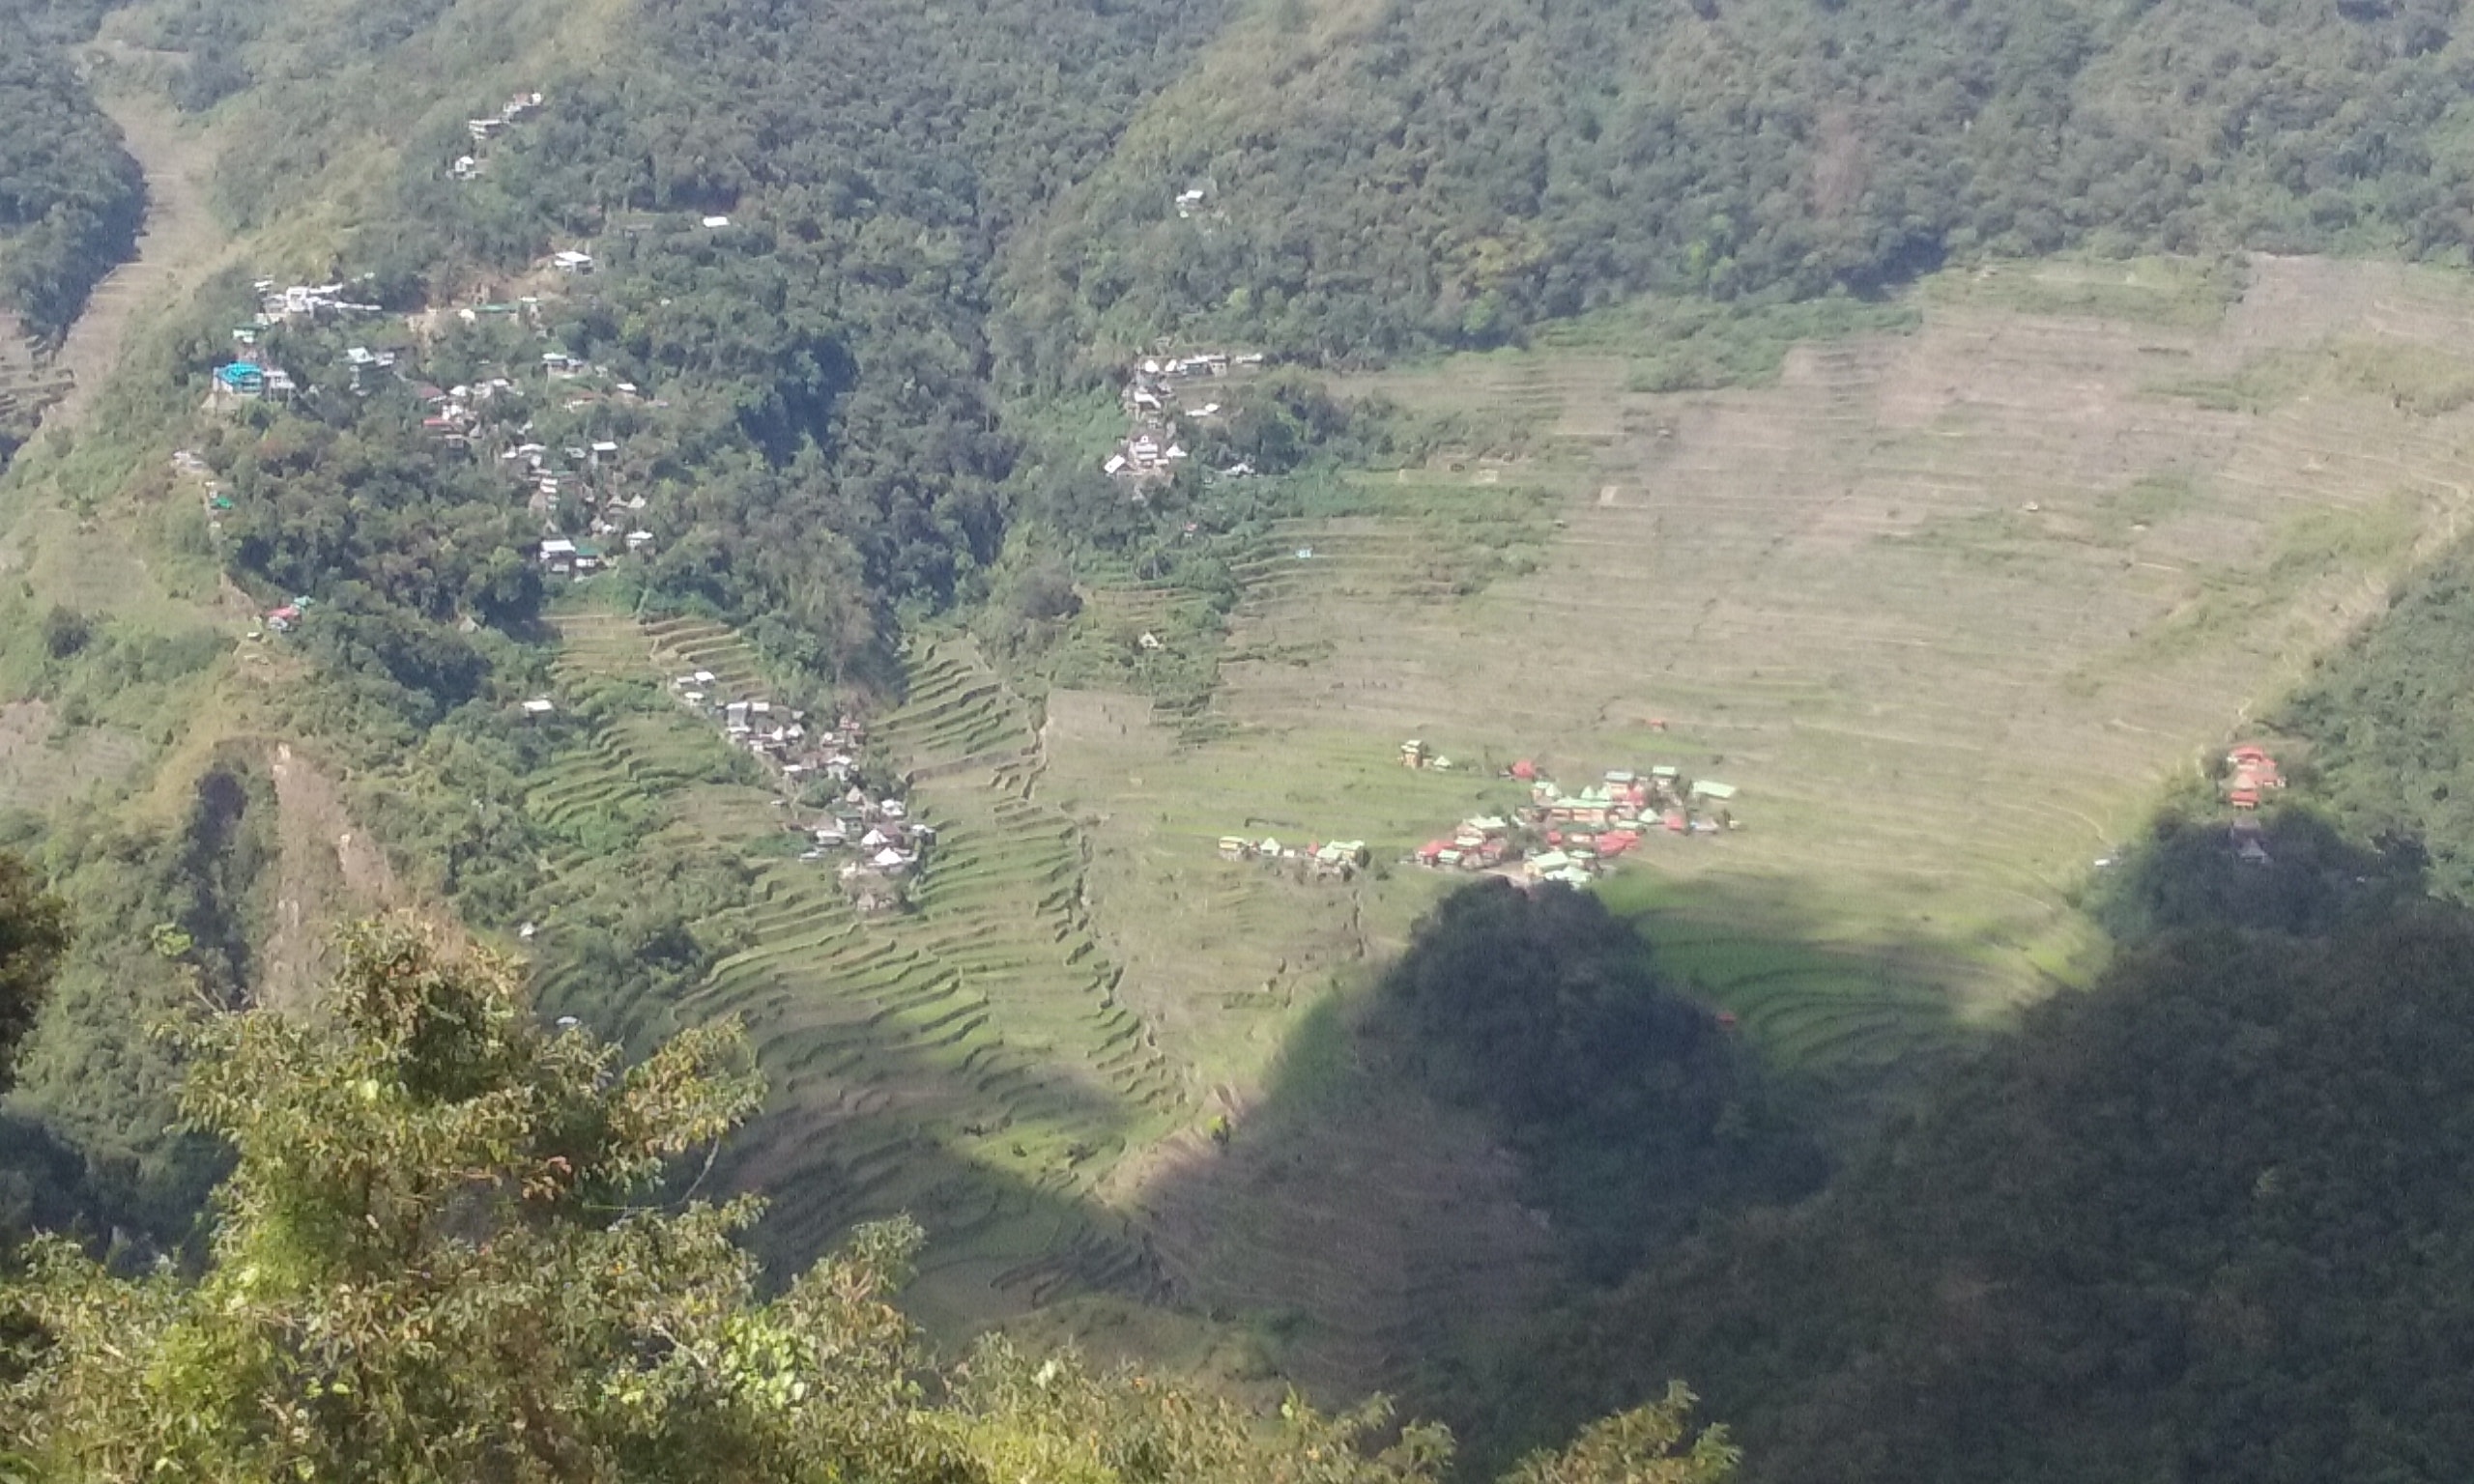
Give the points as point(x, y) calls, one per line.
point(1948, 604)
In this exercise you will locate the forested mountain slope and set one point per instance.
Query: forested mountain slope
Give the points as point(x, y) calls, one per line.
point(1382, 176)
point(70, 194)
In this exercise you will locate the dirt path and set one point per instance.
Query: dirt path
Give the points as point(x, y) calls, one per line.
point(179, 241)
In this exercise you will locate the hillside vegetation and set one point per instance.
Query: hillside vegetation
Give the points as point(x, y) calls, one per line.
point(2392, 745)
point(2198, 1222)
point(1910, 414)
point(441, 1258)
point(70, 195)
point(1381, 177)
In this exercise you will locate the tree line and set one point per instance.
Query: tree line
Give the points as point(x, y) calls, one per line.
point(1448, 172)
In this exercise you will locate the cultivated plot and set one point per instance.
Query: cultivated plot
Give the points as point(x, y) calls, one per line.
point(1946, 606)
point(968, 1062)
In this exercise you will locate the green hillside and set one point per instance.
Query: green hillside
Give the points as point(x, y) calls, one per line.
point(70, 195)
point(1377, 177)
point(571, 471)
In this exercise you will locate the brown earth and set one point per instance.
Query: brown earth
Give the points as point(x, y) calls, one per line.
point(328, 871)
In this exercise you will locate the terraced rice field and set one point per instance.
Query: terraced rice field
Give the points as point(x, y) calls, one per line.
point(969, 1063)
point(1948, 607)
point(27, 385)
point(1367, 1236)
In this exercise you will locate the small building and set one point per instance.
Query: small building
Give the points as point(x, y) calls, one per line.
point(241, 379)
point(571, 262)
point(539, 705)
point(1705, 788)
point(1413, 753)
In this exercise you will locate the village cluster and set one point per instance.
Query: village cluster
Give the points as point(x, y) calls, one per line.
point(1573, 837)
point(2250, 773)
point(881, 847)
point(1337, 860)
point(1557, 836)
point(248, 377)
point(1156, 402)
point(488, 417)
point(473, 166)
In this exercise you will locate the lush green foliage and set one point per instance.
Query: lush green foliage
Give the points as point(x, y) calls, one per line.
point(34, 935)
point(840, 451)
point(439, 1259)
point(71, 197)
point(1633, 1107)
point(1449, 171)
point(165, 914)
point(2392, 745)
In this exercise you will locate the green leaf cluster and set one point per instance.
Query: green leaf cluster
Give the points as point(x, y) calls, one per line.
point(444, 1255)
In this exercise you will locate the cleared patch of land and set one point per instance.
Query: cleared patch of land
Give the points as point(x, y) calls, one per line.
point(1948, 606)
point(328, 871)
point(179, 238)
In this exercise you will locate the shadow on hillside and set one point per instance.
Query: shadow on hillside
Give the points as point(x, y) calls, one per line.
point(1365, 1224)
point(993, 1158)
point(1380, 1226)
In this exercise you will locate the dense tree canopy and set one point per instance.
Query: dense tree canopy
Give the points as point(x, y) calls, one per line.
point(2391, 739)
point(441, 1257)
point(1632, 1106)
point(1447, 171)
point(34, 935)
point(71, 197)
